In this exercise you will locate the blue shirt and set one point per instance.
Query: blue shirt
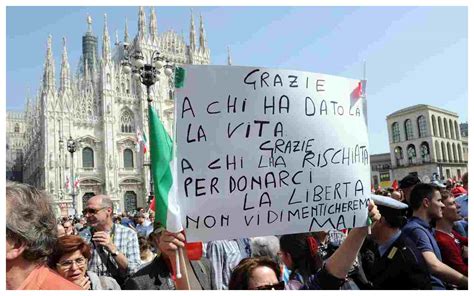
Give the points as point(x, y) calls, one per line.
point(384, 247)
point(422, 235)
point(144, 230)
point(462, 202)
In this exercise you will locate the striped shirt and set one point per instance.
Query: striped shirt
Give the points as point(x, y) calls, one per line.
point(224, 256)
point(126, 241)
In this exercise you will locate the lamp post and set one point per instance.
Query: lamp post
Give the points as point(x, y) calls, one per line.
point(61, 145)
point(148, 73)
point(151, 195)
point(71, 147)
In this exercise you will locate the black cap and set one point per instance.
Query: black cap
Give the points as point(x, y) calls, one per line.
point(409, 181)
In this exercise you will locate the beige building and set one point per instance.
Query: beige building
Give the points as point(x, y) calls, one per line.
point(101, 108)
point(464, 137)
point(426, 140)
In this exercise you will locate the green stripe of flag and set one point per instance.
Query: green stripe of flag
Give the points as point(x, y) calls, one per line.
point(161, 153)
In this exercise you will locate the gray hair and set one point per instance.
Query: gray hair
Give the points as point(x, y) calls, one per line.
point(31, 220)
point(106, 202)
point(265, 246)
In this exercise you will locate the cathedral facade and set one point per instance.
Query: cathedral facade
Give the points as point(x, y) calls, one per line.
point(102, 109)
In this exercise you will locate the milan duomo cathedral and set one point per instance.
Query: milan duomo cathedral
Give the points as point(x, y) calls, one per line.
point(101, 108)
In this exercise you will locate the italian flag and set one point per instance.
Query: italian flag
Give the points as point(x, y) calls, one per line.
point(164, 171)
point(76, 182)
point(141, 139)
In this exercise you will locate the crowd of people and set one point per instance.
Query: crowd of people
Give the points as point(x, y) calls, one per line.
point(417, 239)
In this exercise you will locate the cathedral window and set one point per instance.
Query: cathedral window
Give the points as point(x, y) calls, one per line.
point(126, 122)
point(87, 158)
point(128, 159)
point(17, 128)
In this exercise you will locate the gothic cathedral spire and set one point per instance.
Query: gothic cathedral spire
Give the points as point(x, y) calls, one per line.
point(65, 80)
point(202, 34)
point(192, 34)
point(125, 37)
point(153, 26)
point(106, 55)
point(48, 74)
point(141, 23)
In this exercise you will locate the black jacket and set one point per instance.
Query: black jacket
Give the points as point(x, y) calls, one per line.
point(402, 267)
point(156, 276)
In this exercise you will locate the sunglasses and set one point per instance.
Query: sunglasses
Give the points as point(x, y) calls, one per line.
point(277, 286)
point(91, 211)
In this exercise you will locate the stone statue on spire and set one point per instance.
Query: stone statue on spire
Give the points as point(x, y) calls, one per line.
point(89, 24)
point(229, 58)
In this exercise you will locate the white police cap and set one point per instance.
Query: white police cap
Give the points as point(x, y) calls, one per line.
point(389, 202)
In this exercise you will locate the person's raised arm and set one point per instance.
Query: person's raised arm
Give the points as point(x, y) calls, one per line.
point(169, 244)
point(339, 264)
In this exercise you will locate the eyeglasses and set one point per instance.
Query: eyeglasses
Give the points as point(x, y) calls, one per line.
point(277, 286)
point(91, 211)
point(80, 262)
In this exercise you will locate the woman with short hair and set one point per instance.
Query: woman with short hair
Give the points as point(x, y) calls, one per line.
point(256, 273)
point(70, 257)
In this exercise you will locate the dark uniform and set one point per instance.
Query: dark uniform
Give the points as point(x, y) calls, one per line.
point(402, 267)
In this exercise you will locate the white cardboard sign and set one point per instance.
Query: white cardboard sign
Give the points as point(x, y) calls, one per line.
point(267, 151)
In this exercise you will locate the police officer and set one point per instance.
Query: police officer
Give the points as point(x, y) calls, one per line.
point(394, 262)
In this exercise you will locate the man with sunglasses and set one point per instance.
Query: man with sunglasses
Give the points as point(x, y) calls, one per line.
point(115, 250)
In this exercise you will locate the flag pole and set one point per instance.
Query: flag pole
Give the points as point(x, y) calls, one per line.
point(364, 79)
point(180, 261)
point(184, 279)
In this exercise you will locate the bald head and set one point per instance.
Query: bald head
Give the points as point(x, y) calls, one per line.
point(100, 211)
point(103, 201)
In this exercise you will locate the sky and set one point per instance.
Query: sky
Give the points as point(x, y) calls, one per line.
point(413, 55)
